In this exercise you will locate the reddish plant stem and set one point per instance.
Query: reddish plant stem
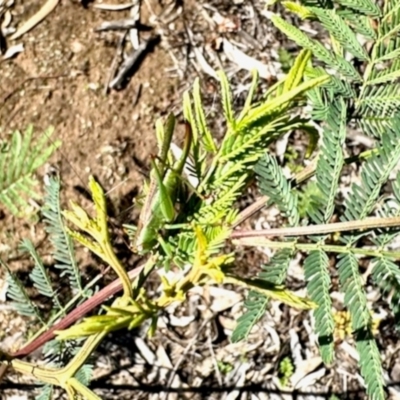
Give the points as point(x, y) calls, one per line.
point(79, 312)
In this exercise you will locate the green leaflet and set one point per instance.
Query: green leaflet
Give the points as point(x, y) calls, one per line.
point(18, 294)
point(338, 28)
point(330, 162)
point(273, 183)
point(316, 268)
point(63, 249)
point(318, 50)
point(355, 300)
point(374, 174)
point(20, 157)
point(40, 276)
point(366, 7)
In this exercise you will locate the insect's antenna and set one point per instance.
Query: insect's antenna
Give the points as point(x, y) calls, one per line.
point(115, 187)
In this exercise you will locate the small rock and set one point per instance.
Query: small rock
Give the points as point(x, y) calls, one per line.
point(76, 47)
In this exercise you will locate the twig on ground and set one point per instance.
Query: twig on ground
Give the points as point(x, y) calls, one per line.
point(133, 33)
point(214, 359)
point(202, 62)
point(46, 9)
point(183, 355)
point(114, 7)
point(132, 61)
point(117, 25)
point(6, 18)
point(158, 21)
point(114, 64)
point(168, 16)
point(13, 50)
point(137, 95)
point(244, 61)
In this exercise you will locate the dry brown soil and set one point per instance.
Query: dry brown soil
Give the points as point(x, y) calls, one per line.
point(59, 81)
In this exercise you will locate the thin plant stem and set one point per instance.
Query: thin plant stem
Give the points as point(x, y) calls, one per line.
point(307, 247)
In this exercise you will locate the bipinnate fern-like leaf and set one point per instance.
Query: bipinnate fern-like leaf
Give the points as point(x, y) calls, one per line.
point(316, 268)
point(376, 95)
point(19, 159)
point(330, 162)
point(356, 301)
point(374, 126)
point(19, 296)
point(84, 374)
point(374, 174)
point(386, 274)
point(316, 265)
point(370, 364)
point(40, 275)
point(390, 74)
point(63, 249)
point(389, 208)
point(338, 28)
point(379, 96)
point(273, 183)
point(365, 7)
point(222, 180)
point(359, 204)
point(256, 303)
point(46, 393)
point(275, 270)
point(381, 101)
point(361, 24)
point(243, 145)
point(321, 98)
point(339, 64)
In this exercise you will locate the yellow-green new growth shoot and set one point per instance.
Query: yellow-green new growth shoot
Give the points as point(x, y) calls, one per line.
point(97, 229)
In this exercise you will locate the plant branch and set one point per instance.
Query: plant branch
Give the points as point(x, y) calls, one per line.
point(79, 312)
point(307, 247)
point(64, 377)
point(366, 224)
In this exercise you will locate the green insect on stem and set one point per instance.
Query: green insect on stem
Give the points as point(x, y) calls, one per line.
point(164, 138)
point(166, 205)
point(158, 207)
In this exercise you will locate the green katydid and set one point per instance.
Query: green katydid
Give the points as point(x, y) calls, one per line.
point(158, 207)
